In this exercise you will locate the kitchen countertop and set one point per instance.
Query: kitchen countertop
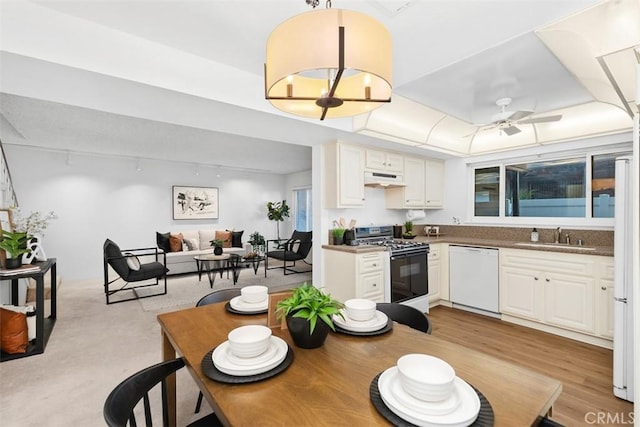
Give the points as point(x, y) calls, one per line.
point(486, 243)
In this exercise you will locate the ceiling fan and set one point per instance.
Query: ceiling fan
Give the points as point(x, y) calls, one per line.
point(506, 121)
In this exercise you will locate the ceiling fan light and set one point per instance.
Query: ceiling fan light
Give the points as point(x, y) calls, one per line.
point(304, 57)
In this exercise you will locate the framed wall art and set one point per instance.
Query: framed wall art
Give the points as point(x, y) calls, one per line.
point(5, 220)
point(195, 202)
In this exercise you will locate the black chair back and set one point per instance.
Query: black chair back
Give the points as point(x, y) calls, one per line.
point(218, 296)
point(304, 241)
point(117, 261)
point(119, 406)
point(406, 315)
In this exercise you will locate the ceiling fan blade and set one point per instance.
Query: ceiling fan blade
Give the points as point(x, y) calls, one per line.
point(545, 119)
point(510, 130)
point(519, 115)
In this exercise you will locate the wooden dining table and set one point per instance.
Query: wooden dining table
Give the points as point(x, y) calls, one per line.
point(330, 385)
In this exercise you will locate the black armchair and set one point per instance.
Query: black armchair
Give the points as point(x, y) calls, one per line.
point(295, 249)
point(129, 269)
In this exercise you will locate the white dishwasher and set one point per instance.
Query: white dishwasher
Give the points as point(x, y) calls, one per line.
point(473, 278)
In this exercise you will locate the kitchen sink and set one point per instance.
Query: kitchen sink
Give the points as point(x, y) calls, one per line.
point(556, 246)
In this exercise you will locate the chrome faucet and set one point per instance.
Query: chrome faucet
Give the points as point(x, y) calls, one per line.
point(557, 234)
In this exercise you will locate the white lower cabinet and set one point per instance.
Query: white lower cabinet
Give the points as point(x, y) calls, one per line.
point(556, 289)
point(604, 300)
point(521, 293)
point(569, 302)
point(354, 275)
point(434, 269)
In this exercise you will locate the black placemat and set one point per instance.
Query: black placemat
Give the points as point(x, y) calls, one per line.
point(384, 330)
point(485, 416)
point(234, 311)
point(210, 370)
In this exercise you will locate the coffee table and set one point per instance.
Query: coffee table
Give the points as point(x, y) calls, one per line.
point(255, 263)
point(212, 264)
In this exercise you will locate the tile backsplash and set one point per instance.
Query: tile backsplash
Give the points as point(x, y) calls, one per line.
point(519, 234)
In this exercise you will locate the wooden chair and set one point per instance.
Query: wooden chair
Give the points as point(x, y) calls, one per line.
point(220, 295)
point(130, 270)
point(297, 248)
point(122, 401)
point(406, 315)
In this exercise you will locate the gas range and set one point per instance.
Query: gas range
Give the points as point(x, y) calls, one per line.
point(383, 236)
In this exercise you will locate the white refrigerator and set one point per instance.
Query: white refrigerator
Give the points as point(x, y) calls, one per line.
point(623, 279)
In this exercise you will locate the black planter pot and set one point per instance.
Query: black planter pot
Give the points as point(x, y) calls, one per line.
point(13, 262)
point(299, 330)
point(217, 250)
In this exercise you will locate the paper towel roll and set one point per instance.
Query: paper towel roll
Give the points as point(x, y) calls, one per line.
point(412, 215)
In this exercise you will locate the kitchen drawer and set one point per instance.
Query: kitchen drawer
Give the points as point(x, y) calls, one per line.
point(372, 286)
point(434, 253)
point(370, 263)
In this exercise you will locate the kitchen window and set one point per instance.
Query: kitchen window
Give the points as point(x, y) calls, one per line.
point(575, 187)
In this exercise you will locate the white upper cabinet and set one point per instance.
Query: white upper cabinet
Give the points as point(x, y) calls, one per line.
point(412, 194)
point(383, 161)
point(343, 176)
point(434, 185)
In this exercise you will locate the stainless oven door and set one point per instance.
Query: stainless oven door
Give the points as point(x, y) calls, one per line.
point(409, 276)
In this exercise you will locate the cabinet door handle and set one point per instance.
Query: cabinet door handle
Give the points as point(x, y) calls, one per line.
point(535, 278)
point(604, 288)
point(547, 279)
point(374, 265)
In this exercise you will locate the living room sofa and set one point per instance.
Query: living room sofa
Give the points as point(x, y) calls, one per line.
point(181, 246)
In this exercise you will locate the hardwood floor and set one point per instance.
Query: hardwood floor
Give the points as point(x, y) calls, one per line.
point(584, 370)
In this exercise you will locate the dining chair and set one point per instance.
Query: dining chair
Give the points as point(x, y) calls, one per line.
point(406, 315)
point(126, 396)
point(220, 295)
point(296, 248)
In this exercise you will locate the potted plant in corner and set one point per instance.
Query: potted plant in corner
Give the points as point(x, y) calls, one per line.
point(15, 244)
point(277, 211)
point(217, 246)
point(308, 313)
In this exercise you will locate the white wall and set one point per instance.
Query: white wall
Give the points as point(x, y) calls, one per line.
point(105, 197)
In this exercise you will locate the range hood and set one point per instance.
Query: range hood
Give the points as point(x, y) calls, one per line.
point(383, 180)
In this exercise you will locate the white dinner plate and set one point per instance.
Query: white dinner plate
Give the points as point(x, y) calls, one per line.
point(378, 321)
point(463, 415)
point(442, 407)
point(251, 362)
point(237, 303)
point(221, 360)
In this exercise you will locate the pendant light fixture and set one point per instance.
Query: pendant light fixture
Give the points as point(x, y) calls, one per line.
point(328, 63)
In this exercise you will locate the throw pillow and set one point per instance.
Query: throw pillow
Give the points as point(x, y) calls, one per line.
point(14, 337)
point(175, 242)
point(132, 261)
point(225, 236)
point(192, 244)
point(236, 238)
point(162, 239)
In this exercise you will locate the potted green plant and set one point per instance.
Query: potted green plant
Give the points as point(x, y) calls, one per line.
point(338, 235)
point(408, 233)
point(257, 242)
point(217, 246)
point(277, 211)
point(308, 313)
point(15, 244)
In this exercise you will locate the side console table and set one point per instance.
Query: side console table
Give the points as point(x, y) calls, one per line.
point(43, 326)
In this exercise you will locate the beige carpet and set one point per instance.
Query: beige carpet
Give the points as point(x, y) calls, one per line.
point(93, 347)
point(185, 290)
